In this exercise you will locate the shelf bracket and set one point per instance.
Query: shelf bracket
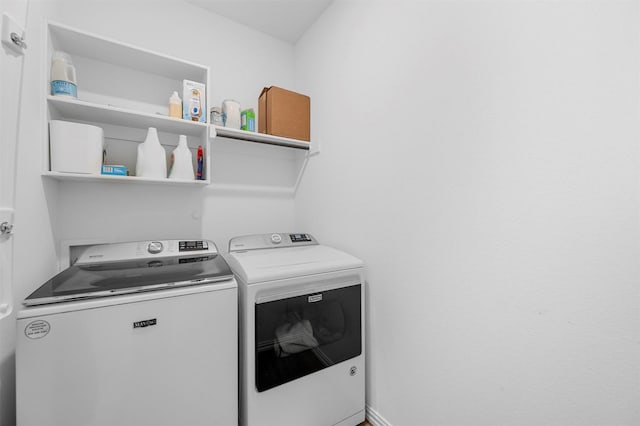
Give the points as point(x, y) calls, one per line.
point(212, 132)
point(301, 173)
point(314, 147)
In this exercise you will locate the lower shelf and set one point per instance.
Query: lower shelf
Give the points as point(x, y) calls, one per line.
point(76, 177)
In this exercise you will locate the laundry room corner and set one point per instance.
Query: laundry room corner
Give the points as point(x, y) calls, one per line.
point(320, 213)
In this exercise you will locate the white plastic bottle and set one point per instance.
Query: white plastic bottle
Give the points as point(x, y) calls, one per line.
point(175, 106)
point(63, 75)
point(152, 158)
point(231, 113)
point(181, 161)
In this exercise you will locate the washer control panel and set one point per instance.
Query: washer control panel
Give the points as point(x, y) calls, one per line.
point(265, 241)
point(276, 238)
point(155, 247)
point(118, 252)
point(196, 245)
point(300, 238)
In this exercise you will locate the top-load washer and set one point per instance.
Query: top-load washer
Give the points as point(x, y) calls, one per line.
point(141, 333)
point(301, 311)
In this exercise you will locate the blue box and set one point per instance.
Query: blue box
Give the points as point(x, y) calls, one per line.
point(115, 170)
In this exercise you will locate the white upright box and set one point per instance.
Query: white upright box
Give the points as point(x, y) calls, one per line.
point(194, 102)
point(75, 147)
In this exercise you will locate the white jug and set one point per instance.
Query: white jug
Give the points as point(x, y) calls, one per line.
point(152, 158)
point(63, 76)
point(181, 161)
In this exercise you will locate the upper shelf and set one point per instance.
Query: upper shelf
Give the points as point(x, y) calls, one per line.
point(70, 108)
point(117, 53)
point(244, 135)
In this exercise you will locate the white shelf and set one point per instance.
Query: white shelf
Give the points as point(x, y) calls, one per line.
point(74, 109)
point(114, 52)
point(120, 89)
point(247, 136)
point(123, 179)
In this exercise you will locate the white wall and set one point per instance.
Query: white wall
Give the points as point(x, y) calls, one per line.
point(482, 158)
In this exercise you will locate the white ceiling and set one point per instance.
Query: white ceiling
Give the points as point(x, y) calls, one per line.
point(284, 19)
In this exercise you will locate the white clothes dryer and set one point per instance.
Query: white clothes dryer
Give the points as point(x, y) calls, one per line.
point(301, 319)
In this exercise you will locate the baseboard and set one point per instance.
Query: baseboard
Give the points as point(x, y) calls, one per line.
point(375, 418)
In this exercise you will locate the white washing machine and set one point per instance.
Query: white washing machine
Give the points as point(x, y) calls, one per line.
point(301, 307)
point(141, 333)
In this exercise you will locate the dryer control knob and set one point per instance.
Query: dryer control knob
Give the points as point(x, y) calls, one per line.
point(276, 239)
point(154, 247)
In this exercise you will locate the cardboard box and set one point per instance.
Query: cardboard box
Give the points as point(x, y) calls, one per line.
point(284, 113)
point(194, 101)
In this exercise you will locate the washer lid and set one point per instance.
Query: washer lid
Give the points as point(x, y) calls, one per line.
point(254, 266)
point(124, 268)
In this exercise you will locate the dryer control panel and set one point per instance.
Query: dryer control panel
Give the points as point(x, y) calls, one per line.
point(264, 241)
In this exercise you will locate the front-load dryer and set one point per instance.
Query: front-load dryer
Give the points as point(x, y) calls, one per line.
point(301, 318)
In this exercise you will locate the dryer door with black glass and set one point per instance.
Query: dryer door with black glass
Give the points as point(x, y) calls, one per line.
point(297, 336)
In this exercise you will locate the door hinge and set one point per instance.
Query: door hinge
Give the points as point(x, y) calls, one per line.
point(6, 228)
point(13, 34)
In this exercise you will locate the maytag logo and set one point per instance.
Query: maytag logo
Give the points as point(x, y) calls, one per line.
point(145, 323)
point(315, 298)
